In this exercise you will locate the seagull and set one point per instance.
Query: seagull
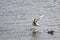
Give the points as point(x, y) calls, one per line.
point(34, 23)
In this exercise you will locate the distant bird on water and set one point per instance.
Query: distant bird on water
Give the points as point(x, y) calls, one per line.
point(50, 31)
point(34, 23)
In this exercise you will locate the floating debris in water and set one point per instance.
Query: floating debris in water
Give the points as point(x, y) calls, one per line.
point(34, 23)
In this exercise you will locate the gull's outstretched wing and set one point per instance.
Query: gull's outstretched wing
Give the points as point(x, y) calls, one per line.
point(34, 22)
point(40, 17)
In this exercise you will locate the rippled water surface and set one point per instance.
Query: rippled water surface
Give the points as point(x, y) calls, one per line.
point(16, 19)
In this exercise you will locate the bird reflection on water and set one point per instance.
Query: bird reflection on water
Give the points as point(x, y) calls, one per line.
point(35, 35)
